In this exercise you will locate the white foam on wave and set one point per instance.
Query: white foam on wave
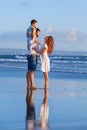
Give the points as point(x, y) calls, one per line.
point(13, 60)
point(14, 67)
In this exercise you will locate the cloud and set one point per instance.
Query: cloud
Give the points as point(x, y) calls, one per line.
point(73, 35)
point(24, 3)
point(65, 36)
point(50, 29)
point(12, 36)
point(70, 36)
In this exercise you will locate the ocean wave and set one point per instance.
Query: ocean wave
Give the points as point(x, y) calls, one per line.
point(13, 60)
point(13, 67)
point(65, 64)
point(53, 69)
point(20, 57)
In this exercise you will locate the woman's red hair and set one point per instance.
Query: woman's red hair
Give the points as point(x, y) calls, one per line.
point(50, 44)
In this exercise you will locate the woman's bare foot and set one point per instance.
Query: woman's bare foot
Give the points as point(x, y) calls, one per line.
point(46, 87)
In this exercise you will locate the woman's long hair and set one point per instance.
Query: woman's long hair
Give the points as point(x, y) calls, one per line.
point(50, 44)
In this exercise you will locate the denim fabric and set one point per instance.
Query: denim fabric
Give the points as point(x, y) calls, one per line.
point(32, 62)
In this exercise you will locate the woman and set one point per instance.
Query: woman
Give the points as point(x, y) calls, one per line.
point(46, 49)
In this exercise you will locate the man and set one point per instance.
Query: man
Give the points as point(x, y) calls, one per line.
point(32, 56)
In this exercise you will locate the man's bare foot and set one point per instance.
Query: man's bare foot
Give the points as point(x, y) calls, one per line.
point(46, 87)
point(34, 88)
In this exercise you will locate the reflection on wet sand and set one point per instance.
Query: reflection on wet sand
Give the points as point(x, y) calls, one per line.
point(30, 110)
point(42, 119)
point(44, 111)
point(42, 123)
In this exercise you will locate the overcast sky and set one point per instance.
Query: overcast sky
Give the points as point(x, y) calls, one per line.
point(65, 20)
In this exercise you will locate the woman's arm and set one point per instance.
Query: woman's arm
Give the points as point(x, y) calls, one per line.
point(44, 50)
point(41, 52)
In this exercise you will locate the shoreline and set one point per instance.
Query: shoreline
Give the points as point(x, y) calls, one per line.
point(4, 72)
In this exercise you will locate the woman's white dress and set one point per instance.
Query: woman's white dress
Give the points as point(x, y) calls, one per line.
point(45, 61)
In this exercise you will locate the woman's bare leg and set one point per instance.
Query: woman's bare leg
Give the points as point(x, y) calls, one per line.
point(46, 79)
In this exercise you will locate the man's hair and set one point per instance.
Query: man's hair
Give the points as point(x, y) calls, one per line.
point(33, 21)
point(37, 29)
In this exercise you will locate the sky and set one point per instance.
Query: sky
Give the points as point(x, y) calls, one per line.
point(65, 20)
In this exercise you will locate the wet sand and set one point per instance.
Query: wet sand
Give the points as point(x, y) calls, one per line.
point(64, 105)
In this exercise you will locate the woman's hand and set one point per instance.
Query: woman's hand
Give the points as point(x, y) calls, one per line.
point(35, 49)
point(37, 42)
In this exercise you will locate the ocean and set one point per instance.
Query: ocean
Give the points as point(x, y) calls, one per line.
point(61, 62)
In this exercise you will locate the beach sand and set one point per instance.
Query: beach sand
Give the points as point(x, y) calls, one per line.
point(65, 98)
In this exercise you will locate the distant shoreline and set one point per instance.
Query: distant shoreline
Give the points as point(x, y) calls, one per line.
point(56, 52)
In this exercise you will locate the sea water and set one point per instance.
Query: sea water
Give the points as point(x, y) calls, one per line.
point(15, 61)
